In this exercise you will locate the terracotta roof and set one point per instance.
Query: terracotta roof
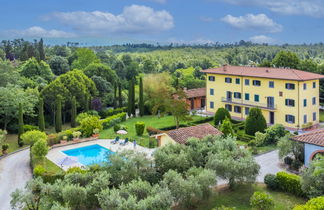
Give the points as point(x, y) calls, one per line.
point(198, 92)
point(315, 137)
point(265, 72)
point(199, 131)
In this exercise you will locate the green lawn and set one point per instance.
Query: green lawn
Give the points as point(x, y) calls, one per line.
point(12, 140)
point(321, 116)
point(240, 198)
point(48, 165)
point(152, 121)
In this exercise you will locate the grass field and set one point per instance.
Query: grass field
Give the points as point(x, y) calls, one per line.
point(240, 198)
point(12, 140)
point(152, 121)
point(48, 165)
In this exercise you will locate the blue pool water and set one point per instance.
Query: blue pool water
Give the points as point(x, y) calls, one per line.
point(93, 154)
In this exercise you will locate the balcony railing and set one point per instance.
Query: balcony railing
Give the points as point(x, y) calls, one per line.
point(249, 103)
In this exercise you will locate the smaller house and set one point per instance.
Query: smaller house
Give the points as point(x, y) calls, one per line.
point(195, 98)
point(313, 144)
point(181, 135)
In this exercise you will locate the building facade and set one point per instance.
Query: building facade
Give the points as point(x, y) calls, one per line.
point(286, 96)
point(195, 98)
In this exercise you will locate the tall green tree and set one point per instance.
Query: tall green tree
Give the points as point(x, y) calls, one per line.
point(58, 117)
point(41, 119)
point(286, 59)
point(84, 57)
point(33, 69)
point(120, 97)
point(20, 124)
point(115, 96)
point(220, 115)
point(226, 127)
point(41, 50)
point(59, 65)
point(130, 98)
point(255, 122)
point(73, 112)
point(141, 98)
point(133, 97)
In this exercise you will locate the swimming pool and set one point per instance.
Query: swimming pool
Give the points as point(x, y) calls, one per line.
point(89, 155)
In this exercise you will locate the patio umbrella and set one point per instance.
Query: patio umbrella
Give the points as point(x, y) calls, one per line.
point(69, 160)
point(122, 132)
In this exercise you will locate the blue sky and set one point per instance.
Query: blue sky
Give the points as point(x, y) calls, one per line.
point(182, 21)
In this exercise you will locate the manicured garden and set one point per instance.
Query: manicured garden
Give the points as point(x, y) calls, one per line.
point(240, 198)
point(150, 121)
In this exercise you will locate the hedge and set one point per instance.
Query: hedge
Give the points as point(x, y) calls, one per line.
point(289, 183)
point(192, 123)
point(139, 126)
point(113, 120)
point(110, 112)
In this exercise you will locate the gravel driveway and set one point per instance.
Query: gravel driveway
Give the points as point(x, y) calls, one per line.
point(269, 163)
point(14, 173)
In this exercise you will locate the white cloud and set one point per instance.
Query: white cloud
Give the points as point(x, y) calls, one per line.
point(133, 19)
point(37, 32)
point(251, 21)
point(314, 8)
point(262, 39)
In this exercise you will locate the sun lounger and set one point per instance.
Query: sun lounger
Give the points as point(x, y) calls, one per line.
point(116, 140)
point(125, 142)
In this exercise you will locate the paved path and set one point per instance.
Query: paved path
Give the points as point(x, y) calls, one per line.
point(269, 164)
point(14, 173)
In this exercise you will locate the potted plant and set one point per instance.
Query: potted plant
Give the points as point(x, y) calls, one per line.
point(64, 140)
point(76, 135)
point(5, 149)
point(95, 132)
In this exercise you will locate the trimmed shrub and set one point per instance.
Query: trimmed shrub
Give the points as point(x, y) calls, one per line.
point(40, 148)
point(30, 128)
point(274, 133)
point(52, 139)
point(259, 138)
point(89, 124)
point(261, 201)
point(255, 122)
point(139, 126)
point(110, 112)
point(296, 164)
point(289, 183)
point(288, 160)
point(312, 204)
point(220, 115)
point(152, 131)
point(226, 127)
point(113, 120)
point(271, 181)
point(76, 170)
point(69, 134)
point(5, 147)
point(116, 127)
point(33, 136)
point(39, 170)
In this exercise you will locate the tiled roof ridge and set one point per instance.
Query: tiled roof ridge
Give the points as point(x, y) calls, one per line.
point(310, 133)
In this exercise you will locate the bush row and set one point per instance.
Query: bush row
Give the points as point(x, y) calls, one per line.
point(192, 123)
point(110, 112)
point(285, 182)
point(55, 138)
point(113, 120)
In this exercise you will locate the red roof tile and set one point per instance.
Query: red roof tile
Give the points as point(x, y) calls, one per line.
point(198, 92)
point(265, 72)
point(199, 131)
point(314, 137)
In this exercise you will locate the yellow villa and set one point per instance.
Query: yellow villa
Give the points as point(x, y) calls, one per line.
point(286, 96)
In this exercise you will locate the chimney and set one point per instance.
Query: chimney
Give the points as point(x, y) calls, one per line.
point(225, 67)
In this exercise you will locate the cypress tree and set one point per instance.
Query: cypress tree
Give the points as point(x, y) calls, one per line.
point(86, 103)
point(58, 117)
point(20, 125)
point(73, 112)
point(115, 96)
point(255, 122)
point(129, 104)
point(41, 50)
point(133, 98)
point(141, 99)
point(120, 95)
point(41, 119)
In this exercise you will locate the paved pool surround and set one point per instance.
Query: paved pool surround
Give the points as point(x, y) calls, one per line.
point(56, 154)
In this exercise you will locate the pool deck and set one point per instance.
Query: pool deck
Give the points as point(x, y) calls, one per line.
point(56, 155)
